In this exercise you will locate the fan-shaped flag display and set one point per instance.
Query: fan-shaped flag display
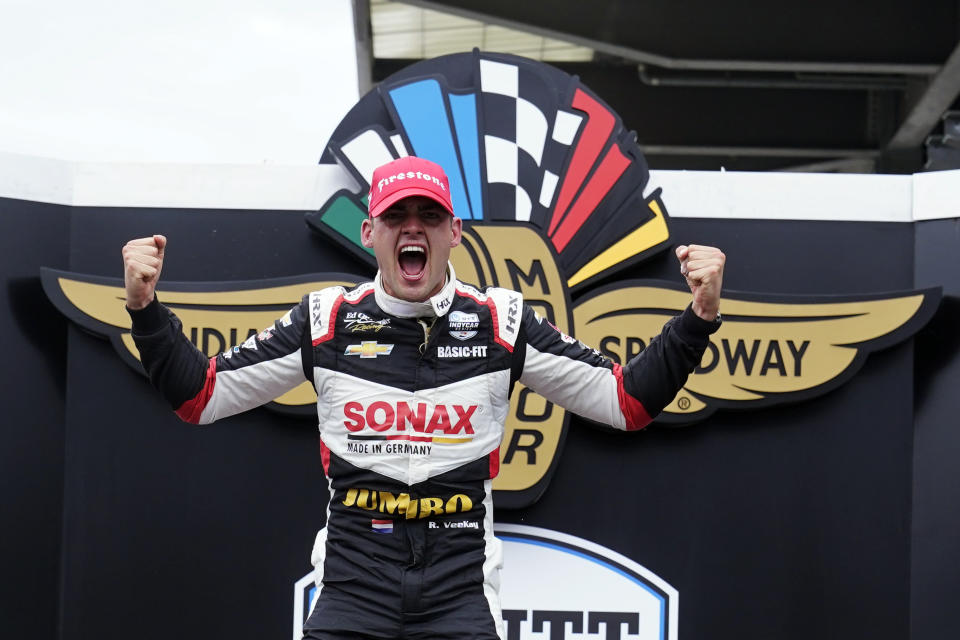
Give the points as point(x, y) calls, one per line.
point(520, 141)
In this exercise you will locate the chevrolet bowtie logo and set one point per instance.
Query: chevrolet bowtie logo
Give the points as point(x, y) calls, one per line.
point(368, 349)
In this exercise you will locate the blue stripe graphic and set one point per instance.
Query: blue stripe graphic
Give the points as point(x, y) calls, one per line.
point(464, 108)
point(423, 114)
point(628, 576)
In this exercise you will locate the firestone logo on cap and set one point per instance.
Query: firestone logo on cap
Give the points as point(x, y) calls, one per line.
point(405, 177)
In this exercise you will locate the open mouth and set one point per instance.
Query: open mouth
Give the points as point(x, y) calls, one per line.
point(413, 262)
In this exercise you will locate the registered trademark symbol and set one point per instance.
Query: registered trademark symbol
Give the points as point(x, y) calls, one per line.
point(684, 403)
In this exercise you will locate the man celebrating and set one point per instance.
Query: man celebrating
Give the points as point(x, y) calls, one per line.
point(413, 374)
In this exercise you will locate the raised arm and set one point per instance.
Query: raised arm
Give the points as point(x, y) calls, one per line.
point(202, 389)
point(577, 377)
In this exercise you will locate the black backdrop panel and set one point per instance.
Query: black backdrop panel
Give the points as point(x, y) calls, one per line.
point(789, 522)
point(31, 457)
point(176, 530)
point(936, 491)
point(785, 522)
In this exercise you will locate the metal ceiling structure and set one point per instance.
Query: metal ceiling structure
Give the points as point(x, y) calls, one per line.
point(803, 86)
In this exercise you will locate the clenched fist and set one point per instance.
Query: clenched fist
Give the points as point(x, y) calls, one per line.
point(703, 269)
point(142, 262)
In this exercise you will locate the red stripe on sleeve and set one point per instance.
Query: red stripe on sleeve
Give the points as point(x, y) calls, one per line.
point(467, 294)
point(495, 462)
point(325, 457)
point(332, 321)
point(190, 410)
point(496, 327)
point(636, 416)
point(493, 315)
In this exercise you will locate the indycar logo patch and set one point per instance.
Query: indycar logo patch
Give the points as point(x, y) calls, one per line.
point(463, 326)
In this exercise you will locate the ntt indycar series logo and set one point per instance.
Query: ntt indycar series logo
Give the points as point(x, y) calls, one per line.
point(556, 585)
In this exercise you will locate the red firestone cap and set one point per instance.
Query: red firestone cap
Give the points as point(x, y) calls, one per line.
point(405, 177)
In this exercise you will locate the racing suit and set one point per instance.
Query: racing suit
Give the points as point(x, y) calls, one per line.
point(412, 400)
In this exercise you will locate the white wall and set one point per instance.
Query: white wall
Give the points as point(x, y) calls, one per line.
point(687, 194)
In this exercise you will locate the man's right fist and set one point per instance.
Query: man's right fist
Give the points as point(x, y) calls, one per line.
point(142, 262)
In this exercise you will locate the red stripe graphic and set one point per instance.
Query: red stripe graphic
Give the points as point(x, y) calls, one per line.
point(411, 438)
point(493, 315)
point(402, 437)
point(495, 462)
point(600, 123)
point(496, 327)
point(332, 322)
point(467, 294)
point(190, 410)
point(325, 457)
point(602, 180)
point(636, 416)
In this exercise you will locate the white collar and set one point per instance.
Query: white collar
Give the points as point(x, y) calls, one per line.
point(438, 305)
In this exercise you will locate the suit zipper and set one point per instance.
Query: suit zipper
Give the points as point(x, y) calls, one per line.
point(426, 334)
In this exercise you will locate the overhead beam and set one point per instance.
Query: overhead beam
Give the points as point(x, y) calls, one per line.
point(757, 152)
point(653, 59)
point(739, 80)
point(840, 165)
point(939, 95)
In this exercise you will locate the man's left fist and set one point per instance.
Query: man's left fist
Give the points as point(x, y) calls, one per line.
point(703, 269)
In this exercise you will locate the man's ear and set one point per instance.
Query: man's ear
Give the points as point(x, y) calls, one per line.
point(366, 233)
point(456, 227)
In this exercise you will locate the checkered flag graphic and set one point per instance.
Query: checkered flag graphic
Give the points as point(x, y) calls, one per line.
point(526, 140)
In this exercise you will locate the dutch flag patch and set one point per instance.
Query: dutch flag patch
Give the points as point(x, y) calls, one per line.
point(381, 526)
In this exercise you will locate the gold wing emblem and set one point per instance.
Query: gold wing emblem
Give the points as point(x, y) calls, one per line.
point(215, 316)
point(766, 352)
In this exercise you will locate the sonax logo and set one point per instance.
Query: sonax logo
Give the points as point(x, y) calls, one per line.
point(408, 421)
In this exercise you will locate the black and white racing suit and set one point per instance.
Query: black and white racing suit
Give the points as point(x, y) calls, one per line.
point(412, 399)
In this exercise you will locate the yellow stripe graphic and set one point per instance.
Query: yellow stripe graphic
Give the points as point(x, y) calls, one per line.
point(649, 235)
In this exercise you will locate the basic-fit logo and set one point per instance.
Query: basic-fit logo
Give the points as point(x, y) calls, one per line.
point(551, 190)
point(559, 586)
